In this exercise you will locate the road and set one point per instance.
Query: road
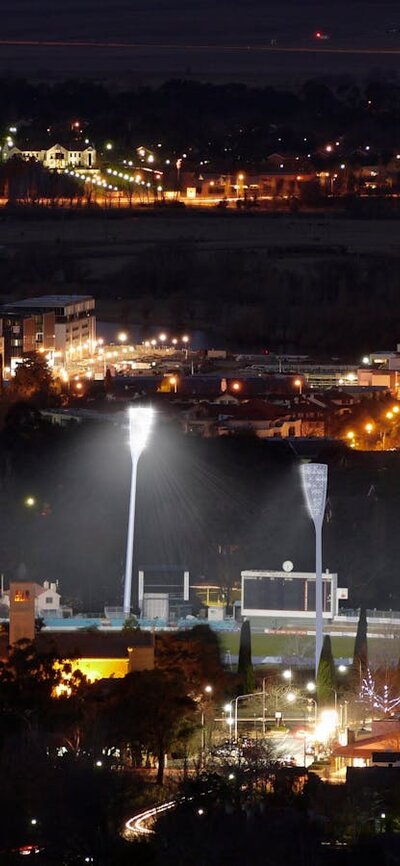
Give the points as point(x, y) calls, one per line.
point(140, 825)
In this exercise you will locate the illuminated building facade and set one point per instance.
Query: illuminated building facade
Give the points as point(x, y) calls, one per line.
point(51, 323)
point(57, 156)
point(98, 655)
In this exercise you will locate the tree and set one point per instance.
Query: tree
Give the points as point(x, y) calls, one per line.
point(37, 695)
point(360, 657)
point(150, 711)
point(192, 655)
point(326, 675)
point(32, 377)
point(245, 665)
point(131, 623)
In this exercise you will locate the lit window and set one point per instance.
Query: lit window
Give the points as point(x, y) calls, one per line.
point(21, 595)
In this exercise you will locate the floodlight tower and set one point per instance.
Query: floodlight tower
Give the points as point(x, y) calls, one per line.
point(315, 479)
point(140, 421)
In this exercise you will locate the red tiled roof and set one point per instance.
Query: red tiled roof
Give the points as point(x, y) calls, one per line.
point(365, 746)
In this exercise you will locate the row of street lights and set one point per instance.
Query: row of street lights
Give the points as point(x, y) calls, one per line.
point(291, 697)
point(232, 709)
point(324, 725)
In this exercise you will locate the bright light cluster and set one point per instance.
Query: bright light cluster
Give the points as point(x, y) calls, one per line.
point(326, 728)
point(137, 180)
point(93, 180)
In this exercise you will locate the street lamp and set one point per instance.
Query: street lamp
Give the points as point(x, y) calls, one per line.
point(315, 479)
point(292, 697)
point(228, 709)
point(208, 692)
point(299, 384)
point(185, 341)
point(174, 382)
point(241, 698)
point(312, 702)
point(140, 422)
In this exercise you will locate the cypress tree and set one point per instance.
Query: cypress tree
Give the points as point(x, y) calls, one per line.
point(326, 679)
point(360, 656)
point(245, 665)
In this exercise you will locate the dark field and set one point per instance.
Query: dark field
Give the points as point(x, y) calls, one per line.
point(229, 40)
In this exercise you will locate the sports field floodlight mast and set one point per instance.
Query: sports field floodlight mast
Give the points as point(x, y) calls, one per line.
point(314, 477)
point(140, 422)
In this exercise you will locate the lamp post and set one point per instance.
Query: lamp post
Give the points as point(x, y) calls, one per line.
point(208, 692)
point(185, 341)
point(299, 384)
point(315, 479)
point(228, 709)
point(140, 421)
point(241, 698)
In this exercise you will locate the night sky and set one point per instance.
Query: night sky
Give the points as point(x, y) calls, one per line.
point(159, 36)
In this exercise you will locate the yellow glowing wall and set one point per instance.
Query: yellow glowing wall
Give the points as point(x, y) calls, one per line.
point(97, 669)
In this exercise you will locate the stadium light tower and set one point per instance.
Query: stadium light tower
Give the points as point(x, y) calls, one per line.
point(140, 421)
point(314, 477)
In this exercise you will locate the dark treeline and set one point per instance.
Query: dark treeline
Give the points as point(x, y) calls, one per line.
point(214, 506)
point(296, 303)
point(227, 124)
point(278, 302)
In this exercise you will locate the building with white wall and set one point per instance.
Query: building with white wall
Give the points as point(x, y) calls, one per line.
point(56, 157)
point(47, 598)
point(64, 324)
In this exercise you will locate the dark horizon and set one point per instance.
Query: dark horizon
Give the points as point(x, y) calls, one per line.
point(232, 41)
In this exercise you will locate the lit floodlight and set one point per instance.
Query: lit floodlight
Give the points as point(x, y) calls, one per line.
point(314, 477)
point(140, 421)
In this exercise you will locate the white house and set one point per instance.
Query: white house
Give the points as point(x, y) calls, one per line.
point(58, 156)
point(47, 599)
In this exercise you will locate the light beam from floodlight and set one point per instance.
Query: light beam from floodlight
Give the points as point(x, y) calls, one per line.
point(315, 480)
point(140, 422)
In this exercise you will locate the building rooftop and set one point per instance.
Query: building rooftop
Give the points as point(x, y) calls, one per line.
point(33, 145)
point(48, 301)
